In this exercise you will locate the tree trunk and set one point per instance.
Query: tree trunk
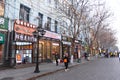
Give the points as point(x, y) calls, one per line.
point(72, 50)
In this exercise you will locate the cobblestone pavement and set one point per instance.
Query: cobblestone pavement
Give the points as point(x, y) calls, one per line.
point(101, 69)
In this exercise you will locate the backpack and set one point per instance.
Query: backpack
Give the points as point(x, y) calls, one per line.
point(65, 60)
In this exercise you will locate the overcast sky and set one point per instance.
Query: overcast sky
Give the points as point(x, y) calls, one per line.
point(114, 6)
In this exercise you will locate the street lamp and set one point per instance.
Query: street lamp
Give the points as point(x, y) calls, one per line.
point(39, 32)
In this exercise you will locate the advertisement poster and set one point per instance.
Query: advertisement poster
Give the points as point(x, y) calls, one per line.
point(18, 58)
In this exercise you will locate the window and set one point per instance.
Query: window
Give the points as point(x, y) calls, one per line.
point(24, 13)
point(56, 3)
point(56, 24)
point(40, 19)
point(48, 25)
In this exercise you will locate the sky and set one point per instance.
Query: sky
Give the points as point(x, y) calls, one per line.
point(114, 6)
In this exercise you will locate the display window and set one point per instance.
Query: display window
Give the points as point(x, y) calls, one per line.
point(41, 51)
point(55, 49)
point(24, 52)
point(48, 50)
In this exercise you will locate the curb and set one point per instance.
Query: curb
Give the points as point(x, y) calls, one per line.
point(41, 75)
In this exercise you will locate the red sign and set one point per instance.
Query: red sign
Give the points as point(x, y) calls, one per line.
point(52, 35)
point(24, 27)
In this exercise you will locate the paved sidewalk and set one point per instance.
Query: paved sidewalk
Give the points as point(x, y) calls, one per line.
point(28, 73)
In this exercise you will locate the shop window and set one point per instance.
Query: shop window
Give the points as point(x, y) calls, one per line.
point(24, 13)
point(55, 47)
point(48, 50)
point(41, 52)
point(24, 52)
point(56, 3)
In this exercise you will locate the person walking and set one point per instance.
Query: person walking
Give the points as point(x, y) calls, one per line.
point(66, 61)
point(56, 58)
point(86, 56)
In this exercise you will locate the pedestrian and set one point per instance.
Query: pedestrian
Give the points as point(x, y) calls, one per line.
point(86, 56)
point(56, 58)
point(66, 61)
point(119, 56)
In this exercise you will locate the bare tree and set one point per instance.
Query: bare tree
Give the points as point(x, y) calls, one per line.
point(83, 16)
point(94, 23)
point(73, 13)
point(107, 38)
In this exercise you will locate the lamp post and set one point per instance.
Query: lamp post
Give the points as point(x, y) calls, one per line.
point(39, 32)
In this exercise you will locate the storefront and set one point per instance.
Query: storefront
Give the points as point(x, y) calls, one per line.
point(49, 45)
point(24, 42)
point(66, 45)
point(77, 49)
point(25, 47)
point(47, 49)
point(3, 39)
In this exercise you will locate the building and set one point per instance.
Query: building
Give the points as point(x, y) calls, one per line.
point(24, 17)
point(21, 18)
point(3, 34)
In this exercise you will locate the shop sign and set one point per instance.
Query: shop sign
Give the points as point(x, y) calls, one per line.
point(2, 37)
point(52, 35)
point(24, 28)
point(22, 37)
point(55, 44)
point(67, 43)
point(64, 38)
point(3, 23)
point(76, 41)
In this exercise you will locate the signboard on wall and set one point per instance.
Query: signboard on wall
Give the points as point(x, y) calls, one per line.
point(24, 27)
point(3, 23)
point(52, 35)
point(2, 7)
point(23, 31)
point(22, 37)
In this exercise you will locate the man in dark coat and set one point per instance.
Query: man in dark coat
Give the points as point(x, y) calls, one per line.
point(66, 61)
point(56, 58)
